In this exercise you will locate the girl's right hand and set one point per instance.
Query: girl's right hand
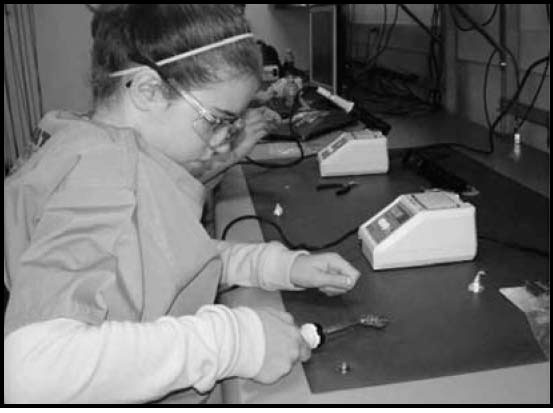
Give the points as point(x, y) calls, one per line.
point(284, 345)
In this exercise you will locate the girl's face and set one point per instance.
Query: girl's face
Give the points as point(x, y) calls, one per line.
point(179, 130)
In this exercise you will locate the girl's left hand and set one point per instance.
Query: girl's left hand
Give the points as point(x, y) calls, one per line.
point(328, 272)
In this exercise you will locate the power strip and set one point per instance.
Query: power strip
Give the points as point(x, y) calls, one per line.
point(439, 177)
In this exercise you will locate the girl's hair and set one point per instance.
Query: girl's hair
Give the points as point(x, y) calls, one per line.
point(127, 35)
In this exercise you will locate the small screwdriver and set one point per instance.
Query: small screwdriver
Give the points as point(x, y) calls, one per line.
point(316, 335)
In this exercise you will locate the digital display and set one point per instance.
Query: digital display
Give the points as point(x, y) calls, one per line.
point(338, 144)
point(394, 217)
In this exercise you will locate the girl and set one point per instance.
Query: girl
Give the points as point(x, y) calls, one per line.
point(112, 278)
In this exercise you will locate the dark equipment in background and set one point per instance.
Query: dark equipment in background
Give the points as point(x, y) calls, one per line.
point(327, 45)
point(385, 91)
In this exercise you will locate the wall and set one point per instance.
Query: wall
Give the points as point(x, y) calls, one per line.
point(527, 34)
point(374, 13)
point(288, 28)
point(64, 42)
point(407, 49)
point(282, 28)
point(529, 40)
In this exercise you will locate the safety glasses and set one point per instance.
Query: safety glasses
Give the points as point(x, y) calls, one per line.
point(207, 125)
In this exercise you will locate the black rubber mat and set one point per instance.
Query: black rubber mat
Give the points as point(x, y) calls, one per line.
point(438, 327)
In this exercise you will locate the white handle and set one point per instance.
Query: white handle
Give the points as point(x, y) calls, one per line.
point(346, 105)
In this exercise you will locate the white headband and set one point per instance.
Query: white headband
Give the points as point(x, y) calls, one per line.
point(184, 55)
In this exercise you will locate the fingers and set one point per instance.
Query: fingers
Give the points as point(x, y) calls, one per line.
point(337, 264)
point(261, 115)
point(333, 280)
point(270, 115)
point(337, 277)
point(331, 291)
point(284, 345)
point(305, 350)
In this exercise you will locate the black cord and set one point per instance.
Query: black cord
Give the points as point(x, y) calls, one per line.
point(295, 136)
point(516, 95)
point(289, 244)
point(271, 165)
point(516, 246)
point(487, 37)
point(381, 34)
point(468, 29)
point(303, 246)
point(534, 98)
point(485, 91)
point(384, 46)
point(382, 93)
point(506, 109)
point(435, 59)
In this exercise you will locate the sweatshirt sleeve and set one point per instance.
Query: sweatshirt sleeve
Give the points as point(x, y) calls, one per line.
point(68, 361)
point(263, 265)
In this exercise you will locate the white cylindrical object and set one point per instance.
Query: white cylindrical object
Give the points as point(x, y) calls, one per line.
point(346, 105)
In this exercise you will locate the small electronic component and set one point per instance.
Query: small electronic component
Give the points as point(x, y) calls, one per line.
point(343, 368)
point(355, 153)
point(420, 229)
point(476, 286)
point(278, 211)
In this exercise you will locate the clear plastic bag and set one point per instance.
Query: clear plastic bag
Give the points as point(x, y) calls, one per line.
point(539, 322)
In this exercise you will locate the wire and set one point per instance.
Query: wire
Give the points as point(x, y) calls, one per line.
point(468, 29)
point(295, 136)
point(386, 43)
point(513, 245)
point(502, 48)
point(303, 246)
point(381, 34)
point(534, 98)
point(271, 165)
point(506, 109)
point(289, 244)
point(435, 59)
point(485, 91)
point(516, 95)
point(386, 94)
point(538, 90)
